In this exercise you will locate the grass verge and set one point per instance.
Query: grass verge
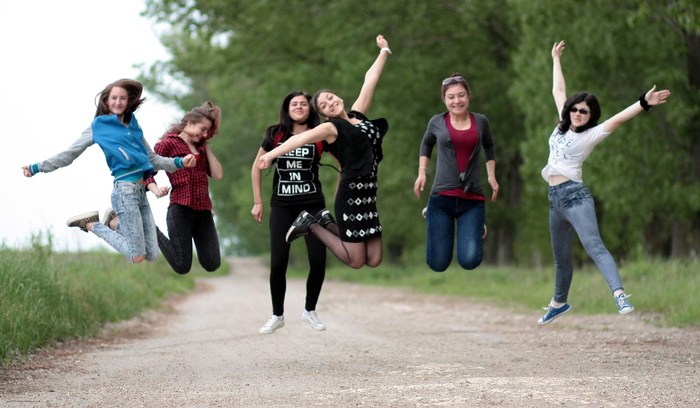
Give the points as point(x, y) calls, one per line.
point(48, 297)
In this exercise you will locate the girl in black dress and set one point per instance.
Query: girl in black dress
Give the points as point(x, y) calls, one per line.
point(356, 142)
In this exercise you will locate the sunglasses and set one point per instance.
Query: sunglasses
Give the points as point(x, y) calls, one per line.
point(581, 111)
point(452, 80)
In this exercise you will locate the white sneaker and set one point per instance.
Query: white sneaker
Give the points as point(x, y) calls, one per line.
point(275, 322)
point(312, 319)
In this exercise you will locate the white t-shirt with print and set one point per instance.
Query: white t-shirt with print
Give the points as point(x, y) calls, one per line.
point(568, 151)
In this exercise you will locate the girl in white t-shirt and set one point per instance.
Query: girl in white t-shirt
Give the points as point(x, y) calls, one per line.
point(571, 205)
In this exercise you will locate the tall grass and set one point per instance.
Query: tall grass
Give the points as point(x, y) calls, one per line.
point(664, 292)
point(47, 297)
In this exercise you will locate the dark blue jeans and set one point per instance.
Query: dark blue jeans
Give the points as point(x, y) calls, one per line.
point(443, 213)
point(184, 226)
point(572, 210)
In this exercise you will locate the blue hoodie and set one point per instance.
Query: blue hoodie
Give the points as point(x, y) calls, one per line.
point(126, 150)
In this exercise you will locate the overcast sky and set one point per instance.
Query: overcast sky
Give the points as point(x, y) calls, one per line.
point(56, 56)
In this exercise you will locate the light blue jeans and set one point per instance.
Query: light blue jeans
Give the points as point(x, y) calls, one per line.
point(572, 210)
point(469, 215)
point(136, 232)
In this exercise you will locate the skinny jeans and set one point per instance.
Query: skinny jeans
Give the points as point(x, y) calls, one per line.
point(572, 210)
point(184, 226)
point(136, 232)
point(281, 218)
point(443, 215)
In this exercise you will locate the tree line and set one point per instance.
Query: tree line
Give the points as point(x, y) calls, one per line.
point(246, 56)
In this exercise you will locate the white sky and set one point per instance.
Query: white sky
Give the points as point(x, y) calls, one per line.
point(55, 57)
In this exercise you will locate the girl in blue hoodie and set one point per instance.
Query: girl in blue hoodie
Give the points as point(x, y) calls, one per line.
point(131, 160)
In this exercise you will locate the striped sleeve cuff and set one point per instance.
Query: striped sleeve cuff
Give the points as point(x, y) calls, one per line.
point(179, 162)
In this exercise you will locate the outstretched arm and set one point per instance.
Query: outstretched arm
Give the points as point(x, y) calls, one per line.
point(558, 83)
point(652, 98)
point(364, 101)
point(325, 131)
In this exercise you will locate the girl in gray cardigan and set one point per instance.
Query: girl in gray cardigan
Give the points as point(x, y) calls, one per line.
point(457, 196)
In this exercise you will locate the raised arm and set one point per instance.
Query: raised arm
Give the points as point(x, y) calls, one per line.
point(651, 98)
point(325, 131)
point(364, 101)
point(558, 83)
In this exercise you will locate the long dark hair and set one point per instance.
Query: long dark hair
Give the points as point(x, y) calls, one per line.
point(207, 111)
point(285, 123)
point(133, 89)
point(593, 104)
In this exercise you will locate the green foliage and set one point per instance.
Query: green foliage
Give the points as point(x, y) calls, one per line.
point(663, 292)
point(247, 55)
point(48, 297)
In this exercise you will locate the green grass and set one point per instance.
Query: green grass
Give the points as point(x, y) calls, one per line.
point(664, 292)
point(48, 297)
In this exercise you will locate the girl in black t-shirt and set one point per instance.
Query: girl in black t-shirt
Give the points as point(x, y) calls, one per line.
point(356, 142)
point(295, 188)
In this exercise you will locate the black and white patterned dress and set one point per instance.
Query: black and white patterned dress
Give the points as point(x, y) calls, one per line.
point(358, 148)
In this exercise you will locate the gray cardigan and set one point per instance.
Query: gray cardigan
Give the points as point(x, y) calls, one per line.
point(447, 175)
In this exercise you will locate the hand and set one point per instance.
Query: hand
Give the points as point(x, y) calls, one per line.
point(419, 185)
point(558, 49)
point(494, 188)
point(264, 162)
point(257, 212)
point(654, 97)
point(26, 171)
point(189, 160)
point(381, 42)
point(161, 192)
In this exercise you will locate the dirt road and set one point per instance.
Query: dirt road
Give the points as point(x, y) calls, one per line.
point(383, 348)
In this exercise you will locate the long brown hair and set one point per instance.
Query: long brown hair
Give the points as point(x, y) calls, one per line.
point(207, 111)
point(133, 89)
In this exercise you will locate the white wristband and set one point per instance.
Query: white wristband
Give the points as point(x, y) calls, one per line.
point(385, 49)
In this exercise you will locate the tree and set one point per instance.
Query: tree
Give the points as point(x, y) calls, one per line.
point(247, 55)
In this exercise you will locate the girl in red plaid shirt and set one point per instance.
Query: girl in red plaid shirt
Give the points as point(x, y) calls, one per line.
point(190, 216)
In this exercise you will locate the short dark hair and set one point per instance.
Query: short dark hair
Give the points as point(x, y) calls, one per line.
point(455, 78)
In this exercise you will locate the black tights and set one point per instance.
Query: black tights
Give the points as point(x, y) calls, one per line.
point(184, 226)
point(281, 218)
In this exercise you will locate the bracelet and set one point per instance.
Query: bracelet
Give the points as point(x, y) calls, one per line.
point(644, 103)
point(257, 204)
point(421, 167)
point(385, 49)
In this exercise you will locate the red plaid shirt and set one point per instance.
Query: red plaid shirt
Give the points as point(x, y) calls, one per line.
point(190, 185)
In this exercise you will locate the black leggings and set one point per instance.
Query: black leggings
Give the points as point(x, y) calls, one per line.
point(281, 218)
point(185, 225)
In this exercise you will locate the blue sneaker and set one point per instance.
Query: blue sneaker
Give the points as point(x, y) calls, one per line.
point(623, 305)
point(553, 313)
